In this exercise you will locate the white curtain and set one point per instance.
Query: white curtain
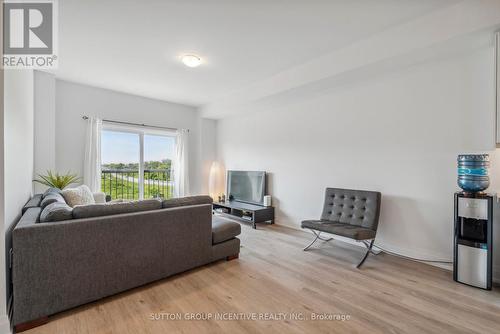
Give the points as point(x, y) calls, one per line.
point(92, 162)
point(180, 165)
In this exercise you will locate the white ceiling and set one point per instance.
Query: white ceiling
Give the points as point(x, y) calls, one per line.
point(134, 46)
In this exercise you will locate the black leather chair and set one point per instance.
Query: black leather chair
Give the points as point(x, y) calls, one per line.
point(349, 213)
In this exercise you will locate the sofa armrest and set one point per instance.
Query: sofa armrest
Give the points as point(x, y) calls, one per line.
point(60, 265)
point(99, 197)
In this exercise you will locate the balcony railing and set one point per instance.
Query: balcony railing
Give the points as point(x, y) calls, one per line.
point(124, 184)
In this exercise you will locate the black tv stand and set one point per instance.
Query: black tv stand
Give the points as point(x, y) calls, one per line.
point(244, 211)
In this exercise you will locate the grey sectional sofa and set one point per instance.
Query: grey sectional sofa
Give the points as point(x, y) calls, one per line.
point(63, 264)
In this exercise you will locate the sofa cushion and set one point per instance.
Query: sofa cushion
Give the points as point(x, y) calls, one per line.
point(52, 190)
point(223, 230)
point(56, 211)
point(50, 198)
point(342, 229)
point(34, 202)
point(80, 195)
point(98, 210)
point(185, 201)
point(31, 216)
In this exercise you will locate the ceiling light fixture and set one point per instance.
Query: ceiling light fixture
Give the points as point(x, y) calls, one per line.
point(191, 60)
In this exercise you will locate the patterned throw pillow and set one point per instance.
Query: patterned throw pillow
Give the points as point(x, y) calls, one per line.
point(78, 196)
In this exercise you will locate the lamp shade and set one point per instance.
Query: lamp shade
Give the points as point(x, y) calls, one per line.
point(213, 180)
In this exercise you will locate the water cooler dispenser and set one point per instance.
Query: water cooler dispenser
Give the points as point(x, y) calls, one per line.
point(472, 262)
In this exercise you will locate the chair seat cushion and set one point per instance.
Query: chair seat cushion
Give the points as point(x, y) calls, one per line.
point(223, 230)
point(344, 230)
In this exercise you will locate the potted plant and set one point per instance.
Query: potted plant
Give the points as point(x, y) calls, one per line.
point(56, 180)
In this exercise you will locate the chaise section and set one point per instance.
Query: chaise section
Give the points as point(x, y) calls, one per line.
point(228, 250)
point(224, 241)
point(223, 230)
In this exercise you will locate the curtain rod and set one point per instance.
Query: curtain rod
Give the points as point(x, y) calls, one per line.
point(136, 124)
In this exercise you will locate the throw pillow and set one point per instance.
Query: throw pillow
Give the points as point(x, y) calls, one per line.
point(51, 191)
point(56, 212)
point(51, 198)
point(99, 197)
point(80, 195)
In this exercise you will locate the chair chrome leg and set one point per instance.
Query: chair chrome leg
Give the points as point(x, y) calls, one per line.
point(368, 251)
point(307, 247)
point(367, 244)
point(317, 236)
point(324, 239)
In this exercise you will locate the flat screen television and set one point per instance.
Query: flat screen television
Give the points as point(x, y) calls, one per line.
point(246, 186)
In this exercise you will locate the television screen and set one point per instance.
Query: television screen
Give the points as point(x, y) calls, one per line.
point(244, 186)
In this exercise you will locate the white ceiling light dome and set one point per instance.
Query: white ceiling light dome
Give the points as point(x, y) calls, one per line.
point(191, 60)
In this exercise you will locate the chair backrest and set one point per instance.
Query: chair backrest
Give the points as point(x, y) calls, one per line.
point(353, 207)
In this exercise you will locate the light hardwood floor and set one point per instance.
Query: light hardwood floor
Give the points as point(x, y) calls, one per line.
point(273, 275)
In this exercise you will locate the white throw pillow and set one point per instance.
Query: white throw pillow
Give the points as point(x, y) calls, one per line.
point(99, 197)
point(78, 196)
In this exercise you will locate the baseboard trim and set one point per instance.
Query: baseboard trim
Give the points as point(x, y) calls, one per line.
point(338, 237)
point(396, 250)
point(496, 275)
point(402, 252)
point(5, 325)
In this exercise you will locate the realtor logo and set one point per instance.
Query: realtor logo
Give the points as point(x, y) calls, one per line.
point(29, 34)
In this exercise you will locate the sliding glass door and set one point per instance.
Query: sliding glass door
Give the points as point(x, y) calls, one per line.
point(136, 163)
point(120, 156)
point(158, 155)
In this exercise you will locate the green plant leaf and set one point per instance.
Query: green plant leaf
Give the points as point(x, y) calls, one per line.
point(56, 180)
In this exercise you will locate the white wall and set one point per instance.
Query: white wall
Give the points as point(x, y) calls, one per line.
point(495, 188)
point(398, 133)
point(18, 141)
point(44, 124)
point(208, 150)
point(75, 100)
point(18, 148)
point(3, 293)
point(4, 321)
